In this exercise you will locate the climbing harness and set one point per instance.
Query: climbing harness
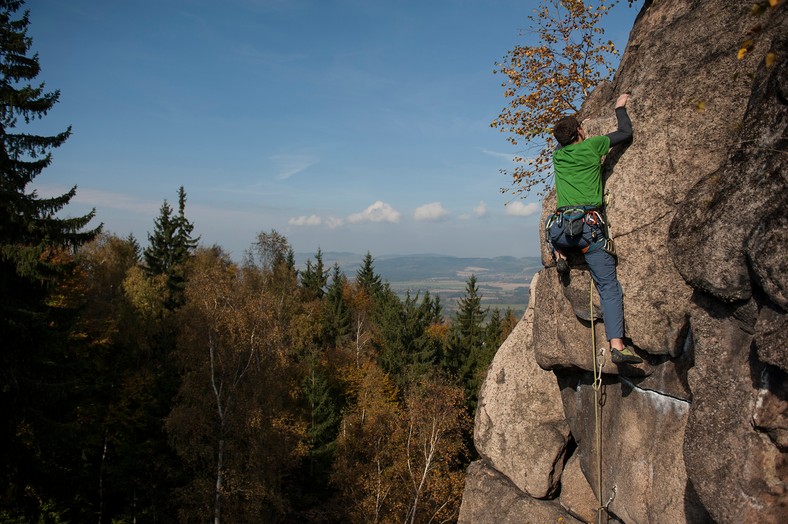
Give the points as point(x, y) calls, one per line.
point(598, 361)
point(571, 219)
point(594, 218)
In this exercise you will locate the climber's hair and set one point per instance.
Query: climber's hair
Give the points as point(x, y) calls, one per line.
point(565, 131)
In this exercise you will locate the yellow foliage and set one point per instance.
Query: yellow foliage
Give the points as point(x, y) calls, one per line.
point(551, 79)
point(745, 47)
point(147, 295)
point(438, 331)
point(770, 59)
point(398, 460)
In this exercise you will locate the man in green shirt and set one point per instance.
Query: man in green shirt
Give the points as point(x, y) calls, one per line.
point(578, 224)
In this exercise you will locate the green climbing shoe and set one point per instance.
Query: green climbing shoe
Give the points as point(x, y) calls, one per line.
point(625, 356)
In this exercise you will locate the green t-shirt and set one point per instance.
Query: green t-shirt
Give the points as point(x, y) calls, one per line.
point(578, 178)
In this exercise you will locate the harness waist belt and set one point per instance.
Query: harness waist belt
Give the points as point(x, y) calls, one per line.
point(584, 208)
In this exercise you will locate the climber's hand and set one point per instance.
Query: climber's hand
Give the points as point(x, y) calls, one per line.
point(622, 100)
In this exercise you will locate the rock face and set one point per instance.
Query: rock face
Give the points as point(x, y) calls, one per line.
point(699, 211)
point(531, 455)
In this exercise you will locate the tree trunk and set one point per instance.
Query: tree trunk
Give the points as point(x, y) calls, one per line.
point(217, 505)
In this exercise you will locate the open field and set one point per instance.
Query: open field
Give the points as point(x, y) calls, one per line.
point(502, 281)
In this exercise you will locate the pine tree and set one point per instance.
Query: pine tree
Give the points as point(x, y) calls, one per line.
point(323, 417)
point(367, 279)
point(29, 230)
point(394, 335)
point(35, 247)
point(170, 247)
point(337, 322)
point(314, 278)
point(493, 332)
point(135, 245)
point(184, 243)
point(160, 253)
point(290, 261)
point(467, 339)
point(427, 350)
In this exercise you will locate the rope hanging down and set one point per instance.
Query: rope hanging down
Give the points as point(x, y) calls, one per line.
point(597, 364)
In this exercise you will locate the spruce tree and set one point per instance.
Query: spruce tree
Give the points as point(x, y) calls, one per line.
point(314, 278)
point(323, 417)
point(467, 341)
point(337, 325)
point(35, 248)
point(184, 243)
point(426, 352)
point(160, 253)
point(367, 279)
point(29, 227)
point(170, 247)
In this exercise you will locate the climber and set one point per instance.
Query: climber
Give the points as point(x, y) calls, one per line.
point(578, 222)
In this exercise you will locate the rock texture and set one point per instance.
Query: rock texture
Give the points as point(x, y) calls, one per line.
point(699, 211)
point(520, 426)
point(511, 506)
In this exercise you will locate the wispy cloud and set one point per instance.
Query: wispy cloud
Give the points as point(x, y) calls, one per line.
point(432, 212)
point(103, 199)
point(311, 220)
point(289, 165)
point(518, 209)
point(377, 212)
point(511, 157)
point(496, 154)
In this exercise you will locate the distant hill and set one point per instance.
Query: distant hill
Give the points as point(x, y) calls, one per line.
point(503, 281)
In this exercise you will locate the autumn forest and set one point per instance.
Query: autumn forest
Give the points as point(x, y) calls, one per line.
point(170, 383)
point(164, 381)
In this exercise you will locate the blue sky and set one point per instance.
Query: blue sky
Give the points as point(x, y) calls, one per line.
point(349, 125)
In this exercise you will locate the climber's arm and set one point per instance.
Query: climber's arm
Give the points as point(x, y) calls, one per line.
point(624, 131)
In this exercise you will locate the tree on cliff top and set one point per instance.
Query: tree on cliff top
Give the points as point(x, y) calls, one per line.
point(549, 80)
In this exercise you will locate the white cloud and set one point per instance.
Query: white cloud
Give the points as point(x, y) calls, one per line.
point(311, 220)
point(518, 209)
point(334, 222)
point(481, 210)
point(377, 212)
point(431, 212)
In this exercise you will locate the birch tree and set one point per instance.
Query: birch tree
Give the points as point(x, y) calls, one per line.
point(234, 421)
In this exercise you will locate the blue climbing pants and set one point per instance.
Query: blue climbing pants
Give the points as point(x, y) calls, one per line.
point(603, 270)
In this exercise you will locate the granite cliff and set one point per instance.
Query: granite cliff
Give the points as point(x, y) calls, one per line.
point(699, 211)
